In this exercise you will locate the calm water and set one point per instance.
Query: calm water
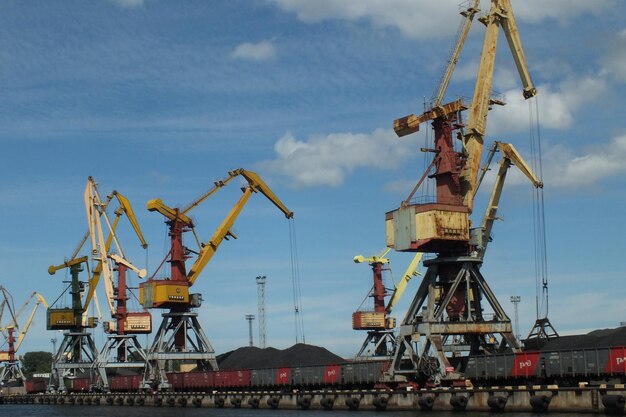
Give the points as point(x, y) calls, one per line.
point(112, 411)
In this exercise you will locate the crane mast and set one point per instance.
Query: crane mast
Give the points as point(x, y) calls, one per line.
point(77, 352)
point(12, 372)
point(122, 348)
point(180, 337)
point(447, 314)
point(380, 342)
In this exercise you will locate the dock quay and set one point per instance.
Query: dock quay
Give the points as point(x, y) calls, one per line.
point(538, 398)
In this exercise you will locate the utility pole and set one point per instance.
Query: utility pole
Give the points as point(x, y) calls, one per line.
point(516, 299)
point(260, 281)
point(250, 318)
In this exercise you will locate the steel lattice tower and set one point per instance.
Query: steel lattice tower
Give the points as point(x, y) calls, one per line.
point(260, 281)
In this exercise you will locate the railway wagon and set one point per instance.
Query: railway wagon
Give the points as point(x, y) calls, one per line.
point(271, 377)
point(36, 385)
point(232, 379)
point(315, 376)
point(363, 374)
point(567, 365)
point(125, 383)
point(197, 381)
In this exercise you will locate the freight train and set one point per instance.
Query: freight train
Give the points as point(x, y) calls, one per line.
point(569, 367)
point(565, 367)
point(352, 375)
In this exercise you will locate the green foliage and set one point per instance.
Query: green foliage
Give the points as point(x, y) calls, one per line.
point(36, 362)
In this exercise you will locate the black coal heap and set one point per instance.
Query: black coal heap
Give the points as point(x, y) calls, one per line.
point(255, 358)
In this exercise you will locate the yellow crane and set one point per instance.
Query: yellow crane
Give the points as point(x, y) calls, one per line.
point(180, 336)
point(380, 341)
point(122, 348)
point(77, 351)
point(12, 370)
point(446, 314)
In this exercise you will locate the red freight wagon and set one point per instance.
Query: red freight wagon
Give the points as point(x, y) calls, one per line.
point(232, 379)
point(79, 385)
point(176, 379)
point(196, 381)
point(33, 386)
point(332, 374)
point(120, 383)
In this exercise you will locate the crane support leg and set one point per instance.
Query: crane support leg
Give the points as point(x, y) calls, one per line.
point(166, 348)
point(446, 318)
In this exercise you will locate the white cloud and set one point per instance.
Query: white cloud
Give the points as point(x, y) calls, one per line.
point(128, 3)
point(326, 160)
point(414, 18)
point(535, 11)
point(557, 105)
point(615, 60)
point(565, 169)
point(260, 51)
point(427, 18)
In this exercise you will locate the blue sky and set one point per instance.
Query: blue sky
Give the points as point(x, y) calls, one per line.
point(159, 99)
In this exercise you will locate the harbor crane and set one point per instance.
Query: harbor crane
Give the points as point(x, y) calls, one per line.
point(12, 372)
point(180, 336)
point(77, 353)
point(447, 313)
point(122, 348)
point(380, 342)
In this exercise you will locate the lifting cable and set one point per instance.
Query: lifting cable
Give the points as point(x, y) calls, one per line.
point(295, 283)
point(539, 232)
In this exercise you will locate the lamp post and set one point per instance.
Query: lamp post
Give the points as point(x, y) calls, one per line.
point(516, 299)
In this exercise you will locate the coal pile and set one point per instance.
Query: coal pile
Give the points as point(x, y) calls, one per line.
point(298, 355)
point(596, 339)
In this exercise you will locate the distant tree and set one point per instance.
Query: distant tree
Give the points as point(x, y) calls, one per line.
point(36, 362)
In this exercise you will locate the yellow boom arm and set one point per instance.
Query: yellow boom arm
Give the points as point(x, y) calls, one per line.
point(500, 14)
point(410, 272)
point(255, 183)
point(24, 330)
point(510, 156)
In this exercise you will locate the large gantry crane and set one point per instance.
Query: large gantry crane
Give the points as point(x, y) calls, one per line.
point(180, 337)
point(122, 348)
point(380, 342)
point(11, 372)
point(77, 353)
point(447, 314)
